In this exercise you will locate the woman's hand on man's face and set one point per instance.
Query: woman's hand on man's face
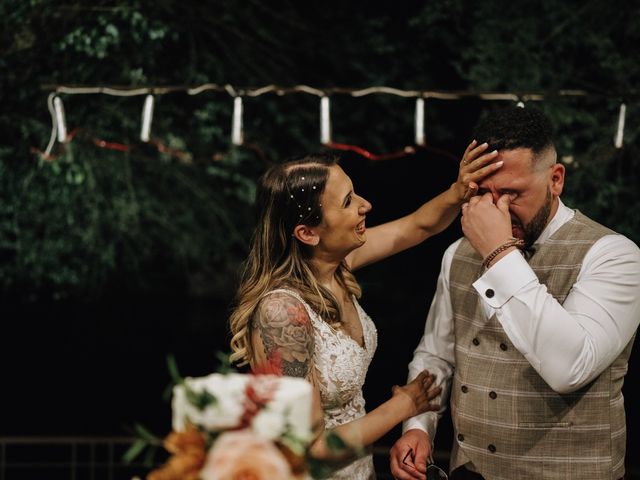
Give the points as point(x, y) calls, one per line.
point(474, 166)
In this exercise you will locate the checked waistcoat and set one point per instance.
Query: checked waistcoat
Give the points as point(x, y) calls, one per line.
point(507, 421)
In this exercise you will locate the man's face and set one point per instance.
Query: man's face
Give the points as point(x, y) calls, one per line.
point(533, 190)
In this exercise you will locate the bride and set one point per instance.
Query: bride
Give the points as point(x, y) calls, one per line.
point(297, 306)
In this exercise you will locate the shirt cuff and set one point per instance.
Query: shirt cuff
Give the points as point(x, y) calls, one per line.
point(427, 422)
point(500, 282)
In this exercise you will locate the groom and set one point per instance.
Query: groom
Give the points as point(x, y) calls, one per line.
point(531, 326)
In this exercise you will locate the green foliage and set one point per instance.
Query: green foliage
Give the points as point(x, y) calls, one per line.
point(551, 46)
point(83, 224)
point(94, 221)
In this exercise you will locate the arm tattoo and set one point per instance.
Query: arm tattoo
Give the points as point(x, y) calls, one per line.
point(286, 331)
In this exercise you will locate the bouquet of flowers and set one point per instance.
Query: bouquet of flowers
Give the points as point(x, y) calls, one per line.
point(239, 426)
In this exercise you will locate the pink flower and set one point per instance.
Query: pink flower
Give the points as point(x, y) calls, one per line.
point(242, 455)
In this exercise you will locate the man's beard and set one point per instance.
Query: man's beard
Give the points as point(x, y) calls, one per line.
point(534, 228)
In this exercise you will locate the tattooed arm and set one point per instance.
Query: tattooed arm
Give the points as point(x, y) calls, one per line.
point(282, 335)
point(282, 330)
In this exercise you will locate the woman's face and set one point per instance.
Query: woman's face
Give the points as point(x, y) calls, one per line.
point(343, 225)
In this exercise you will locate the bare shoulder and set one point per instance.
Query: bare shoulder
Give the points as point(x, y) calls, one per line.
point(285, 330)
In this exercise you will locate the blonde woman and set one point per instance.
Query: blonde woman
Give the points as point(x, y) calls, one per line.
point(297, 302)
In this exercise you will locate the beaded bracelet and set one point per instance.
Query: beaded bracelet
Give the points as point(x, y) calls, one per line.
point(512, 242)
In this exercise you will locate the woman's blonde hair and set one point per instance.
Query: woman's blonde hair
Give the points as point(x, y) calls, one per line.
point(288, 195)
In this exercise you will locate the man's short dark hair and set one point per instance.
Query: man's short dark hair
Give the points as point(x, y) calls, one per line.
point(515, 127)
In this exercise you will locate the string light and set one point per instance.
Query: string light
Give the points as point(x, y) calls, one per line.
point(147, 116)
point(237, 137)
point(59, 131)
point(325, 121)
point(60, 119)
point(620, 130)
point(419, 122)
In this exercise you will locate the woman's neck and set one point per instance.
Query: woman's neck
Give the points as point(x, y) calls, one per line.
point(325, 272)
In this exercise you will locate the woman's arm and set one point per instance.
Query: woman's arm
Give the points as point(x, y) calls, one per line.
point(407, 401)
point(432, 217)
point(282, 332)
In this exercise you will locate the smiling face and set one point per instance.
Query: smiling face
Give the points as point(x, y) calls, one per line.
point(534, 185)
point(343, 215)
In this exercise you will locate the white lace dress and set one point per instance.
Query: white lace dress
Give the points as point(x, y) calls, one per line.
point(341, 367)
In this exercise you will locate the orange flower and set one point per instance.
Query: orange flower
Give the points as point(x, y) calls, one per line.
point(188, 449)
point(242, 455)
point(186, 441)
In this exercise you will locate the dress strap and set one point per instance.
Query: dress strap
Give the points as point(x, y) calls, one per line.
point(296, 295)
point(285, 290)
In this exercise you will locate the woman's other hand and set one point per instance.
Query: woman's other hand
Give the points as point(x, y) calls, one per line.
point(420, 392)
point(474, 166)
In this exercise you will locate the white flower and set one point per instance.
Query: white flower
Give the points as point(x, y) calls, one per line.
point(269, 424)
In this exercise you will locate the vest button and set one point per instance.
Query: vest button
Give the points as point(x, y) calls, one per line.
point(461, 437)
point(491, 448)
point(476, 342)
point(464, 389)
point(489, 293)
point(493, 395)
point(503, 347)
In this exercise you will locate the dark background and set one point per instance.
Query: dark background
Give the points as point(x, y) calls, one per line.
point(110, 261)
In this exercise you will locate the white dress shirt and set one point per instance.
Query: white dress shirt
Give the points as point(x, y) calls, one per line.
point(568, 345)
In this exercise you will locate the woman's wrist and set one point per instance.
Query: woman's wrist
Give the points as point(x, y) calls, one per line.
point(457, 194)
point(408, 407)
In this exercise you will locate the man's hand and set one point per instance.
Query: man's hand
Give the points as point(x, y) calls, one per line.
point(486, 226)
point(408, 456)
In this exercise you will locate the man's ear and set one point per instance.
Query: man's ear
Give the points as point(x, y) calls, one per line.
point(556, 179)
point(306, 235)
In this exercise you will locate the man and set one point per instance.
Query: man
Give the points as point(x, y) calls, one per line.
point(531, 326)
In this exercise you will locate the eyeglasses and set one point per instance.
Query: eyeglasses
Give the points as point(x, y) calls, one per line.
point(434, 472)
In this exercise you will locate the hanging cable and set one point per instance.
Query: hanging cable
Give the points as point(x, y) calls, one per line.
point(235, 91)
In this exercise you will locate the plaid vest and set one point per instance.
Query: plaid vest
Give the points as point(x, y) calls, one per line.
point(507, 421)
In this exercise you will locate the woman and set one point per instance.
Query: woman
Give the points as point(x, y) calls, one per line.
point(297, 302)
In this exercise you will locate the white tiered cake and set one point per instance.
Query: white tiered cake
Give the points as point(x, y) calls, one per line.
point(284, 404)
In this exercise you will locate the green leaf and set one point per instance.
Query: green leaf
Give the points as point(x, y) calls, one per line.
point(335, 442)
point(136, 449)
point(149, 457)
point(172, 366)
point(200, 400)
point(225, 366)
point(145, 434)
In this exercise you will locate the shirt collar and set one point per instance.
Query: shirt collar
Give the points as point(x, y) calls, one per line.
point(562, 216)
